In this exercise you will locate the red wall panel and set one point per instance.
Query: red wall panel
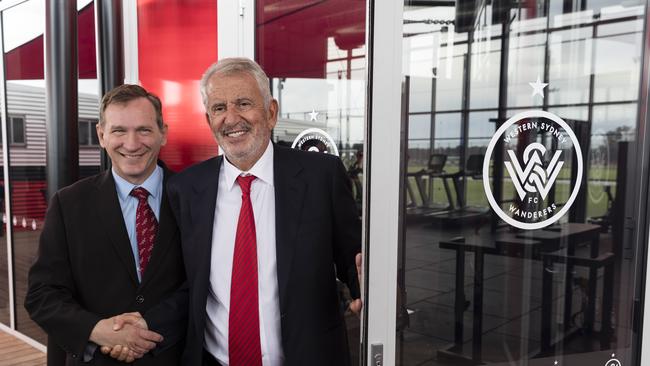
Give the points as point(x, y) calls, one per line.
point(177, 41)
point(292, 35)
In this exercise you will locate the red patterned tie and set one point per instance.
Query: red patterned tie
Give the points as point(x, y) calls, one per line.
point(146, 227)
point(244, 347)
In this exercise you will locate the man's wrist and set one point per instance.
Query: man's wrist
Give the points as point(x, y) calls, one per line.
point(96, 333)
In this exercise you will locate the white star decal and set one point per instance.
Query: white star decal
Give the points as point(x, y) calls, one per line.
point(538, 87)
point(312, 115)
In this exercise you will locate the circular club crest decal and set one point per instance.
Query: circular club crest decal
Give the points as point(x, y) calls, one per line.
point(314, 139)
point(613, 361)
point(534, 172)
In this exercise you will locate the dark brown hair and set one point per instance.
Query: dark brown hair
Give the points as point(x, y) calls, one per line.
point(126, 93)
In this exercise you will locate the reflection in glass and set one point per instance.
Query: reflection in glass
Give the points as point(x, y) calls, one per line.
point(89, 149)
point(4, 269)
point(25, 88)
point(16, 130)
point(471, 287)
point(314, 54)
point(23, 27)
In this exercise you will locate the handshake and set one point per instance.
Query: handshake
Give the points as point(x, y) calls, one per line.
point(125, 337)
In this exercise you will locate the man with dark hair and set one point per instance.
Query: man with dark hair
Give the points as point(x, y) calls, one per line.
point(110, 244)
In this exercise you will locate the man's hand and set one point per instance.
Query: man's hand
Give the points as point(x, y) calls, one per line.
point(356, 305)
point(120, 353)
point(134, 319)
point(129, 332)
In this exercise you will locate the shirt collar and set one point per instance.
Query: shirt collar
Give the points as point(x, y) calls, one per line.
point(153, 184)
point(262, 169)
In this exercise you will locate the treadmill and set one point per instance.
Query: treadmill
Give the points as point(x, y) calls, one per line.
point(434, 170)
point(463, 214)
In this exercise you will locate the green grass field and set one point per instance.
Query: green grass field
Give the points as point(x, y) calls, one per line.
point(599, 177)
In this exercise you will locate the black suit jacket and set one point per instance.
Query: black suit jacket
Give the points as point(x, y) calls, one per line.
point(85, 270)
point(318, 234)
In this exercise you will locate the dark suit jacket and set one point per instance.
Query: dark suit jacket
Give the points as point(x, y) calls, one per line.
point(318, 234)
point(85, 270)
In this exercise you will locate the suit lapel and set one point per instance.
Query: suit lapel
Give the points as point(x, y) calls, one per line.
point(289, 198)
point(167, 232)
point(203, 200)
point(111, 219)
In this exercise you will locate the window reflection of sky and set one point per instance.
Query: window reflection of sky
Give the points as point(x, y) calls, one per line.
point(26, 21)
point(613, 56)
point(18, 30)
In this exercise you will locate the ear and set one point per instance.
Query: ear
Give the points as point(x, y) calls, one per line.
point(272, 114)
point(164, 130)
point(99, 128)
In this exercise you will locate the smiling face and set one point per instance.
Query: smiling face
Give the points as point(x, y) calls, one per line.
point(238, 118)
point(132, 138)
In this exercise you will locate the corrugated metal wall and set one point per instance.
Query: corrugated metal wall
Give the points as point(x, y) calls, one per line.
point(29, 101)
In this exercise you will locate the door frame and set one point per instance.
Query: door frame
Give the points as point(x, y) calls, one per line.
point(236, 28)
point(384, 136)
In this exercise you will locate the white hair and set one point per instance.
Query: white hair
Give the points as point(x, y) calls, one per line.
point(237, 65)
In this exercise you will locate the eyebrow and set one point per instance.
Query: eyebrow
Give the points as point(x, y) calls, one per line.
point(219, 102)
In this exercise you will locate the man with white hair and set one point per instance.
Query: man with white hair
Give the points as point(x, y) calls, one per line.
point(265, 231)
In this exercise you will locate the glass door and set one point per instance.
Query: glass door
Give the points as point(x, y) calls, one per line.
point(507, 202)
point(314, 53)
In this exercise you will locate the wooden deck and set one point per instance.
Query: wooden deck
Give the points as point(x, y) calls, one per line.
point(14, 352)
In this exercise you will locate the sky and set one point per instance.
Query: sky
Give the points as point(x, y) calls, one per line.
point(26, 21)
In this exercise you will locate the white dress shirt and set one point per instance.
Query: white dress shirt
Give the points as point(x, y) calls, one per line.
point(224, 231)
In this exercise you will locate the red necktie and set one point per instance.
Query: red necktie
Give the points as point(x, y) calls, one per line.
point(244, 347)
point(146, 227)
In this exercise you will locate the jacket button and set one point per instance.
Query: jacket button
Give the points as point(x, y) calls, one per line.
point(139, 299)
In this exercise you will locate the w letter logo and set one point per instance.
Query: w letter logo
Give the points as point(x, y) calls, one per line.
point(533, 178)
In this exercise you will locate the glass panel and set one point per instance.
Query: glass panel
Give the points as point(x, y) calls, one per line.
point(420, 95)
point(89, 150)
point(613, 128)
point(485, 70)
point(23, 27)
point(570, 80)
point(83, 133)
point(485, 278)
point(420, 127)
point(617, 62)
point(314, 53)
point(447, 139)
point(88, 91)
point(26, 97)
point(17, 130)
point(4, 263)
point(94, 139)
